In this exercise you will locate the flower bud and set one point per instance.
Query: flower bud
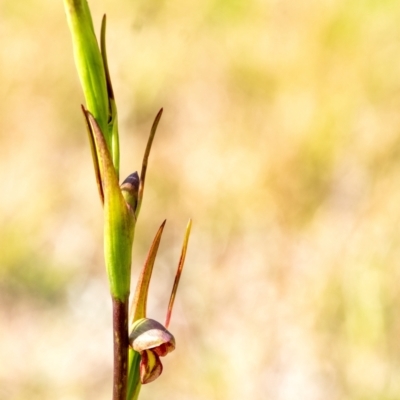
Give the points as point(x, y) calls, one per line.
point(130, 188)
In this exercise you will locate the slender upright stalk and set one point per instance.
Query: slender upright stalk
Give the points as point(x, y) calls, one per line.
point(121, 343)
point(137, 355)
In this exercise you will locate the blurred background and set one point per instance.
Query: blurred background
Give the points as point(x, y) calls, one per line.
point(280, 138)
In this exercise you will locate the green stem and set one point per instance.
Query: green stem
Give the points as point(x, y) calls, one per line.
point(121, 343)
point(134, 384)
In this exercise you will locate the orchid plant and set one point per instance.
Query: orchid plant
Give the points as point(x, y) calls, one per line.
point(139, 342)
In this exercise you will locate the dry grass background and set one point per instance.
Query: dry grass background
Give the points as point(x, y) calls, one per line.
point(280, 138)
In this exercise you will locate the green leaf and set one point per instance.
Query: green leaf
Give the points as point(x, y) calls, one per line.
point(112, 106)
point(119, 220)
point(89, 62)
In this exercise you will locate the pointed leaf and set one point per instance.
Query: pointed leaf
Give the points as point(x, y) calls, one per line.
point(112, 107)
point(178, 273)
point(139, 302)
point(94, 156)
point(146, 159)
point(119, 222)
point(88, 61)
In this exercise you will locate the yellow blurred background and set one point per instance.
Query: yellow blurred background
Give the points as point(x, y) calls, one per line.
point(280, 138)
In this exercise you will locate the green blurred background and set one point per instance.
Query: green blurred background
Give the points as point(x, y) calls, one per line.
point(280, 138)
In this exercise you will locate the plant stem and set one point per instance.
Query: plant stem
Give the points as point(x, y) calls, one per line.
point(121, 343)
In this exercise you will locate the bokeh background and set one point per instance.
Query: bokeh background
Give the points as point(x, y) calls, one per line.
point(280, 138)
